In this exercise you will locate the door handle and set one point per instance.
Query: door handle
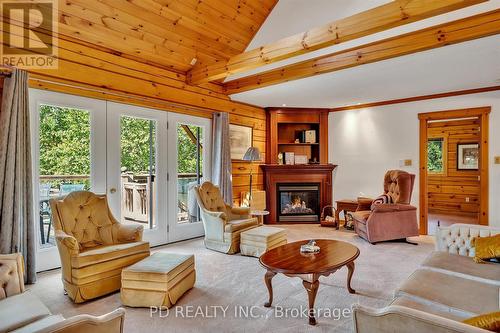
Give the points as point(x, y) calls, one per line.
point(112, 190)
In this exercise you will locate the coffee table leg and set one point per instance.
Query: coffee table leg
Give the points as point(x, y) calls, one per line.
point(350, 267)
point(268, 277)
point(312, 290)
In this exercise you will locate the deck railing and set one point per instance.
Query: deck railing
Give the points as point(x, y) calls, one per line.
point(135, 189)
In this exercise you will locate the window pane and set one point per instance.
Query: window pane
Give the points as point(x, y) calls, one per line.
point(189, 170)
point(64, 161)
point(138, 165)
point(435, 155)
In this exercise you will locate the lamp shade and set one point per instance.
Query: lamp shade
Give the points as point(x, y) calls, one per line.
point(252, 154)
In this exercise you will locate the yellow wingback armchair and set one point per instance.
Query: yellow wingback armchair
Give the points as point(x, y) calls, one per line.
point(223, 224)
point(94, 247)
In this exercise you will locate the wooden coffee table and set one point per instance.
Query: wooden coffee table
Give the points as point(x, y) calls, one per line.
point(288, 260)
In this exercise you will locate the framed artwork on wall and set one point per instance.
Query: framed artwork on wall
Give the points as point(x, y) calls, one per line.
point(468, 156)
point(241, 138)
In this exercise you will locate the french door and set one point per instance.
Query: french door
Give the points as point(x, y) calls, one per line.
point(68, 153)
point(189, 165)
point(137, 165)
point(145, 160)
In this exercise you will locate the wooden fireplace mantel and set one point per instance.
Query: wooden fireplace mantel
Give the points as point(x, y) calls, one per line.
point(308, 173)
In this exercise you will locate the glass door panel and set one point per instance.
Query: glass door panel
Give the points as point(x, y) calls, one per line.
point(189, 170)
point(66, 158)
point(137, 167)
point(189, 146)
point(138, 160)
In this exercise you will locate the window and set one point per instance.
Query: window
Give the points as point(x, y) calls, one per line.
point(436, 155)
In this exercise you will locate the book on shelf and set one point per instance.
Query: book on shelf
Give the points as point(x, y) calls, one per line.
point(289, 158)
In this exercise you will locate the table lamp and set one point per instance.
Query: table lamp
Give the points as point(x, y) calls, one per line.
point(251, 155)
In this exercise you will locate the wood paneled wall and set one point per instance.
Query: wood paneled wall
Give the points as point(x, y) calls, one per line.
point(90, 71)
point(456, 192)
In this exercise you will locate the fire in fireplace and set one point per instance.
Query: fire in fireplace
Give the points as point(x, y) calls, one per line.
point(298, 202)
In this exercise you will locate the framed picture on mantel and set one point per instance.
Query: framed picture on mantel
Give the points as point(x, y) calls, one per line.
point(240, 138)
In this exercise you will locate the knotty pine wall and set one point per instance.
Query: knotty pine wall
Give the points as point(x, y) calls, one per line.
point(448, 192)
point(93, 72)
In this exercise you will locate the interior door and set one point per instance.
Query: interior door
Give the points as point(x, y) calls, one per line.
point(137, 168)
point(189, 165)
point(67, 136)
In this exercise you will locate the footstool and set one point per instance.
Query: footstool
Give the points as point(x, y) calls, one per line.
point(256, 241)
point(158, 280)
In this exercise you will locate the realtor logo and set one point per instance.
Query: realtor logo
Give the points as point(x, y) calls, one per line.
point(28, 35)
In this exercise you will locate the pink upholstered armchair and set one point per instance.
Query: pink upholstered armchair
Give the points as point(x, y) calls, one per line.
point(396, 220)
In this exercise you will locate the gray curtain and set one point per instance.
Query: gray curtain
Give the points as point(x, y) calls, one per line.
point(17, 232)
point(221, 156)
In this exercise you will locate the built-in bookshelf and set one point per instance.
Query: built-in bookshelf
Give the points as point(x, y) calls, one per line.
point(286, 128)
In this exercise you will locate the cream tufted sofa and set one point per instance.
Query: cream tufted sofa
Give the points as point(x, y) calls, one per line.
point(223, 224)
point(457, 239)
point(22, 311)
point(93, 246)
point(448, 288)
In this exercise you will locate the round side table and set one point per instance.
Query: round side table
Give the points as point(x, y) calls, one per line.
point(260, 215)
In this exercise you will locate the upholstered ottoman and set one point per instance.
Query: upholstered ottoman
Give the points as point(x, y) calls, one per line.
point(256, 241)
point(158, 280)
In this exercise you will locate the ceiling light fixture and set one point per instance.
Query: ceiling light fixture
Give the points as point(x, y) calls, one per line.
point(193, 61)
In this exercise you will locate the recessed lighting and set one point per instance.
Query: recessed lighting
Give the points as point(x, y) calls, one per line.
point(193, 61)
point(358, 103)
point(283, 104)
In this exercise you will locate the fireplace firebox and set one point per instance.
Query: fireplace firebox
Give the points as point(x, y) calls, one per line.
point(298, 202)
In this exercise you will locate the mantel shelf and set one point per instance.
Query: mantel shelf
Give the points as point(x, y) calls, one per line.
point(297, 144)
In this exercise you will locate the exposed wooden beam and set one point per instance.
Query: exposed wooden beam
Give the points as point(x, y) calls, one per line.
point(417, 98)
point(390, 15)
point(466, 29)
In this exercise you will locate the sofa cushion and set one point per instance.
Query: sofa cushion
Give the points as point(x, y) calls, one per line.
point(20, 310)
point(40, 324)
point(429, 307)
point(109, 252)
point(235, 225)
point(454, 292)
point(361, 216)
point(462, 266)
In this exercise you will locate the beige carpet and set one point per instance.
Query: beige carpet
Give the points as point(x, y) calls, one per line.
point(237, 282)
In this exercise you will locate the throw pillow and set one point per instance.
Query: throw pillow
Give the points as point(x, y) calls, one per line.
point(486, 248)
point(382, 199)
point(489, 321)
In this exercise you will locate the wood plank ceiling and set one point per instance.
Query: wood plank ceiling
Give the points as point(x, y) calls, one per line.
point(171, 34)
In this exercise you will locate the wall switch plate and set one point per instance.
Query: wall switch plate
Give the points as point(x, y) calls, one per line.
point(405, 163)
point(497, 159)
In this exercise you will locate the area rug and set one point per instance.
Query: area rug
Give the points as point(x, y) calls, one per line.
point(230, 292)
